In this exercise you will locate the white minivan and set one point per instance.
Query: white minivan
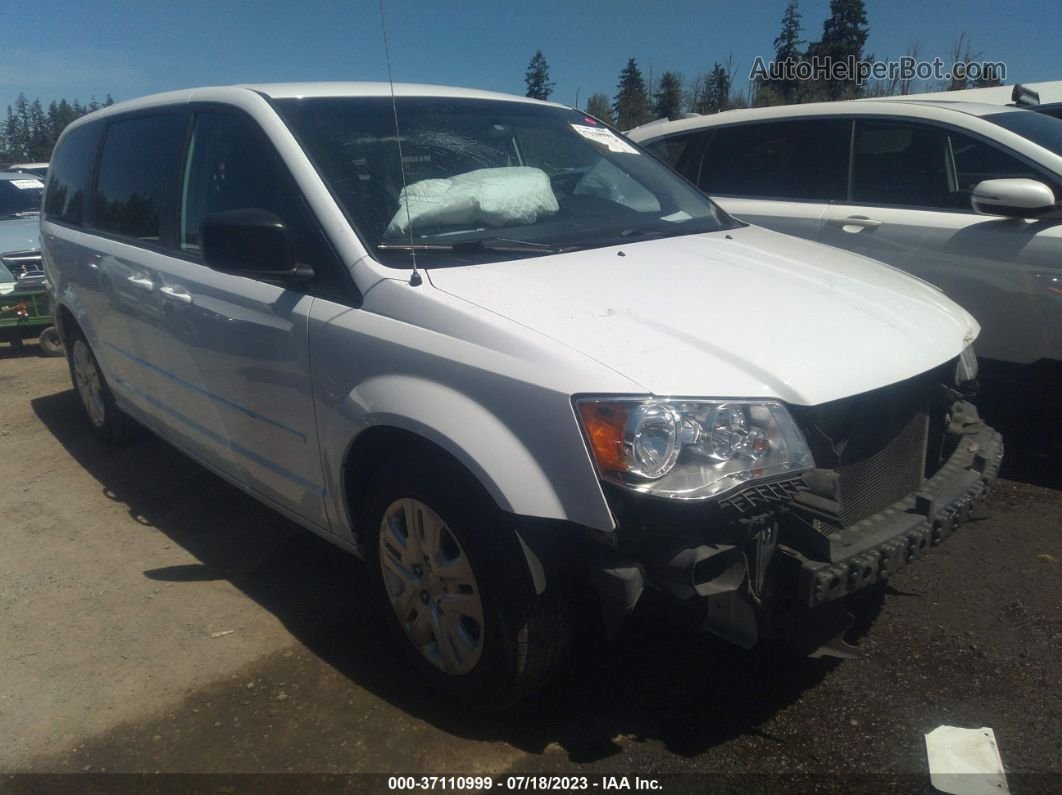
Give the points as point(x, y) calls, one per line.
point(497, 350)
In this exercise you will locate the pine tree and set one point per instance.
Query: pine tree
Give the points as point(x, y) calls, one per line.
point(786, 50)
point(11, 136)
point(29, 132)
point(717, 89)
point(40, 136)
point(668, 97)
point(598, 106)
point(844, 33)
point(539, 86)
point(631, 103)
point(18, 129)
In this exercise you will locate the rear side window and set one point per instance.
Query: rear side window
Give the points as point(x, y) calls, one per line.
point(139, 169)
point(69, 174)
point(805, 159)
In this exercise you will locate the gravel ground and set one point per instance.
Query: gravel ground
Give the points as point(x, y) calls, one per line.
point(153, 619)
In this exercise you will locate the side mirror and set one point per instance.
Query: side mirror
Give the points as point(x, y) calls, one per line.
point(248, 242)
point(1014, 198)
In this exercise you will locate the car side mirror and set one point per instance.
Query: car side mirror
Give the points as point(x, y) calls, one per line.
point(250, 242)
point(1013, 198)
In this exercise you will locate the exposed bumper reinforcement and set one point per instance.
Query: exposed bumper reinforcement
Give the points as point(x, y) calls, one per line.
point(880, 545)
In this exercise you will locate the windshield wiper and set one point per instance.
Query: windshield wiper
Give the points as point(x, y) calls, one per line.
point(649, 231)
point(479, 244)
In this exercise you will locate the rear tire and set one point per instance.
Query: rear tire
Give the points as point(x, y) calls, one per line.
point(455, 585)
point(108, 421)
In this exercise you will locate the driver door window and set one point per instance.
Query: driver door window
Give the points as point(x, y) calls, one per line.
point(231, 167)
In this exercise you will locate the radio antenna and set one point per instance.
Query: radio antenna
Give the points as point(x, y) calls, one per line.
point(414, 279)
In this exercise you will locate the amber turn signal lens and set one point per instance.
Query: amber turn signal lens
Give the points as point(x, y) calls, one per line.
point(606, 426)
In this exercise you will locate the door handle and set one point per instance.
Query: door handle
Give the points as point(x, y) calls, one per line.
point(176, 294)
point(855, 223)
point(141, 281)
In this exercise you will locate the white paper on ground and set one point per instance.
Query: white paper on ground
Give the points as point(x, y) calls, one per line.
point(965, 761)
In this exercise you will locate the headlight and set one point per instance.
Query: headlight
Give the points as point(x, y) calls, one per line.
point(966, 369)
point(691, 449)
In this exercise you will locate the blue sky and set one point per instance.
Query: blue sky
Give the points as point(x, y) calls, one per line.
point(79, 49)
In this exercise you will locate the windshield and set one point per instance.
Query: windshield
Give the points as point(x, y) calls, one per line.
point(1037, 127)
point(20, 196)
point(488, 180)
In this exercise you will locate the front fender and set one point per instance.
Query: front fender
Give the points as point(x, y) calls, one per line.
point(525, 470)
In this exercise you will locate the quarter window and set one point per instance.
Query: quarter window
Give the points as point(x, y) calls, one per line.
point(806, 159)
point(138, 176)
point(69, 173)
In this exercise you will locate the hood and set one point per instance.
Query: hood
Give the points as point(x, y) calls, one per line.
point(20, 234)
point(742, 313)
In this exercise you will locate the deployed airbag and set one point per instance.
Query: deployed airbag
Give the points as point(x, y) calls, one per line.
point(487, 196)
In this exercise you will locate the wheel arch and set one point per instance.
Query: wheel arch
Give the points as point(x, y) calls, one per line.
point(65, 322)
point(399, 414)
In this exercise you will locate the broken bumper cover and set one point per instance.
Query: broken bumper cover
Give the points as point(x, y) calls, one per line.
point(880, 545)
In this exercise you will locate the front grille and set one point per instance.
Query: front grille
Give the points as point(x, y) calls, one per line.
point(870, 450)
point(866, 487)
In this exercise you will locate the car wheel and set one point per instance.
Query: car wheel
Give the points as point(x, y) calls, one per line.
point(454, 579)
point(108, 421)
point(50, 341)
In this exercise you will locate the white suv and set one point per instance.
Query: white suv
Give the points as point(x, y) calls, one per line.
point(963, 195)
point(505, 356)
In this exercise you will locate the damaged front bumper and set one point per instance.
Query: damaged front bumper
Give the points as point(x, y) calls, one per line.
point(761, 565)
point(880, 545)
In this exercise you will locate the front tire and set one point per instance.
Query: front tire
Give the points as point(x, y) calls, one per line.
point(456, 585)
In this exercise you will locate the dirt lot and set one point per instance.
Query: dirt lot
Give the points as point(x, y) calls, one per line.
point(154, 619)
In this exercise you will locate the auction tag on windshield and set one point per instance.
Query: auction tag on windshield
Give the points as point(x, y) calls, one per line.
point(599, 135)
point(23, 184)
